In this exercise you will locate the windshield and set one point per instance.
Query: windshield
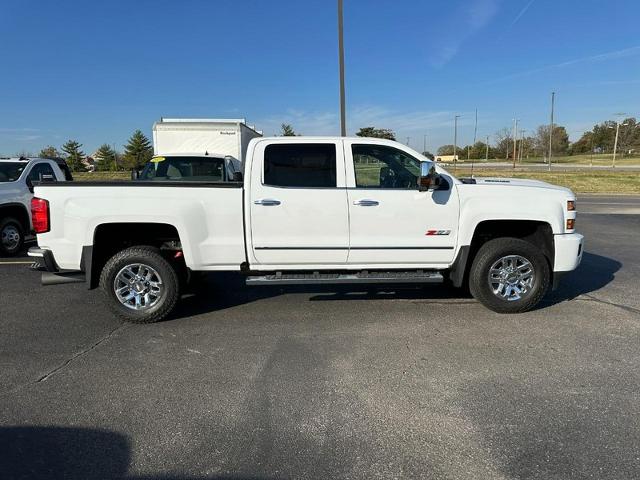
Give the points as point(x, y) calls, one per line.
point(187, 169)
point(11, 171)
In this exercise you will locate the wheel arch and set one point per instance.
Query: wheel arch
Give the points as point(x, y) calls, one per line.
point(536, 232)
point(112, 237)
point(19, 212)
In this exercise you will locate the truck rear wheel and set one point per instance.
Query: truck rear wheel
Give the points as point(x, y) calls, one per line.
point(509, 275)
point(11, 236)
point(140, 285)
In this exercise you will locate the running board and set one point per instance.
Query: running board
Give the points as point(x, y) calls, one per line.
point(346, 278)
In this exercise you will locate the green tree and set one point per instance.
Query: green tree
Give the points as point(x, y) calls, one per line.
point(138, 151)
point(560, 140)
point(105, 158)
point(74, 155)
point(429, 155)
point(286, 130)
point(373, 132)
point(448, 150)
point(504, 144)
point(49, 152)
point(602, 137)
point(478, 150)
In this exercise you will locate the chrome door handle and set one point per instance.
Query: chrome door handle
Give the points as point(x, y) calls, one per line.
point(267, 202)
point(366, 203)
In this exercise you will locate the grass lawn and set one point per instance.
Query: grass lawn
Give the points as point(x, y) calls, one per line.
point(605, 159)
point(101, 176)
point(599, 181)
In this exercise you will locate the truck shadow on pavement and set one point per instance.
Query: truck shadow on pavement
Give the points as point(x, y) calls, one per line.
point(35, 452)
point(228, 290)
point(595, 272)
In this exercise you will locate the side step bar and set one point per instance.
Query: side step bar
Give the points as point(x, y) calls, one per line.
point(59, 278)
point(314, 278)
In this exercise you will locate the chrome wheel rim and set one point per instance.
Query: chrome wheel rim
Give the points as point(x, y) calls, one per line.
point(138, 286)
point(511, 277)
point(10, 237)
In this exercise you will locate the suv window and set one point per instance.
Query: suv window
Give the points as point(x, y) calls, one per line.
point(380, 166)
point(11, 171)
point(305, 165)
point(39, 170)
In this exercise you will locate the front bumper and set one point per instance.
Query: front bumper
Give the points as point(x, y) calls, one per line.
point(44, 261)
point(569, 248)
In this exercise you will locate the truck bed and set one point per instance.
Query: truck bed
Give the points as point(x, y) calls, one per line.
point(208, 217)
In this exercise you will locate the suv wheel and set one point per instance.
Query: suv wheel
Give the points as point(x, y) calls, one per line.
point(11, 236)
point(509, 275)
point(140, 285)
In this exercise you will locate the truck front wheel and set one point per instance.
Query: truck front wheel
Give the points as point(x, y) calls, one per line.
point(140, 285)
point(509, 275)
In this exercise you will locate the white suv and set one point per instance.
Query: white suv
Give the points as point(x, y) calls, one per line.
point(16, 186)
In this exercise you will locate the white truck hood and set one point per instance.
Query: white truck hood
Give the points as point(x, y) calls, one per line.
point(518, 182)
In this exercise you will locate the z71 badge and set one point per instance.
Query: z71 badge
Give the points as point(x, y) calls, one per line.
point(438, 232)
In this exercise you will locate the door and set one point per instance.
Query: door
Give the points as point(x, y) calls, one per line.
point(298, 203)
point(392, 223)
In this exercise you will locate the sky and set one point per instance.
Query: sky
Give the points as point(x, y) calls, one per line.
point(94, 71)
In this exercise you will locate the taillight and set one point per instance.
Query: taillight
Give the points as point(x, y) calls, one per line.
point(40, 215)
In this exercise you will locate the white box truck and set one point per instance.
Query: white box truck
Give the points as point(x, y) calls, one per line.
point(215, 136)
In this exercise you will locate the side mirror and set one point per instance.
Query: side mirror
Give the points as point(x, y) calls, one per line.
point(430, 179)
point(237, 176)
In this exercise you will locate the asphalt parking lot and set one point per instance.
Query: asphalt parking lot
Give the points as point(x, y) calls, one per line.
point(264, 382)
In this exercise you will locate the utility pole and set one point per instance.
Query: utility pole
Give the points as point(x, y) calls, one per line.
point(515, 140)
point(591, 157)
point(424, 144)
point(521, 145)
point(553, 99)
point(343, 123)
point(486, 157)
point(455, 142)
point(408, 139)
point(615, 144)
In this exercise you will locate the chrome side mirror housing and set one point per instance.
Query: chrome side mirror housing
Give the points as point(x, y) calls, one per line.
point(428, 177)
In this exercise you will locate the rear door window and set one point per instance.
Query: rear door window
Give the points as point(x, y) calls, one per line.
point(309, 165)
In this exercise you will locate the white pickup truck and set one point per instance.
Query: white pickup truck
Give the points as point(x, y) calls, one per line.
point(308, 210)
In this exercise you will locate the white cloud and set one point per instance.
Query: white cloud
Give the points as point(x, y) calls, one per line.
point(522, 12)
point(438, 125)
point(602, 57)
point(449, 36)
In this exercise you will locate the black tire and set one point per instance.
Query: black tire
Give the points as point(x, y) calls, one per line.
point(9, 228)
point(148, 256)
point(492, 252)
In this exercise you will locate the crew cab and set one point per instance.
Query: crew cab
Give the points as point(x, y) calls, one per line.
point(16, 186)
point(309, 210)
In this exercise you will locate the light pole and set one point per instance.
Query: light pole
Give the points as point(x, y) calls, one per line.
point(408, 140)
point(455, 141)
point(486, 156)
point(615, 143)
point(553, 99)
point(515, 140)
point(343, 123)
point(521, 145)
point(424, 144)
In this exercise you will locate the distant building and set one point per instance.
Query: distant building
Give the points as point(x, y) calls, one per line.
point(447, 158)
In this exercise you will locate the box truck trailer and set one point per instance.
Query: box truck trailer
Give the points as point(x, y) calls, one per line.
point(214, 136)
